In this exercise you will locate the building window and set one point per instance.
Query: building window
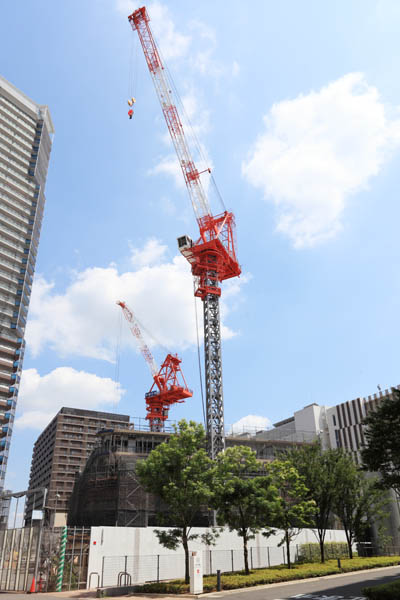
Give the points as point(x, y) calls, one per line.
point(338, 441)
point(334, 420)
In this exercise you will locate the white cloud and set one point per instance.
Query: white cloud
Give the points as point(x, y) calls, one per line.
point(198, 116)
point(41, 397)
point(152, 252)
point(126, 7)
point(172, 43)
point(319, 149)
point(235, 68)
point(82, 320)
point(203, 60)
point(169, 165)
point(251, 424)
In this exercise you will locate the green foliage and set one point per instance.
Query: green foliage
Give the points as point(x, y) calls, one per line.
point(181, 474)
point(382, 451)
point(311, 553)
point(273, 575)
point(319, 473)
point(358, 503)
point(386, 591)
point(244, 499)
point(294, 510)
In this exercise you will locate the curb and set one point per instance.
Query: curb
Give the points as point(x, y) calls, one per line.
point(258, 587)
point(282, 583)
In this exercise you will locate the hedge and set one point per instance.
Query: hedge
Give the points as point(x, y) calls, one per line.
point(310, 553)
point(386, 591)
point(231, 581)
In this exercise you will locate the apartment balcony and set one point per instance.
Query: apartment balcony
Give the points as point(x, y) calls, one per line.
point(5, 378)
point(4, 363)
point(4, 418)
point(6, 404)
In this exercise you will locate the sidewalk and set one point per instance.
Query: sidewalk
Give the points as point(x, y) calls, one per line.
point(92, 593)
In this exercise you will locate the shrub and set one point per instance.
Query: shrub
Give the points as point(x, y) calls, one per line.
point(231, 581)
point(387, 591)
point(164, 587)
point(310, 553)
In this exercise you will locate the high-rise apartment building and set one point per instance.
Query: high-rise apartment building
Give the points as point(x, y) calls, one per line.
point(60, 452)
point(26, 132)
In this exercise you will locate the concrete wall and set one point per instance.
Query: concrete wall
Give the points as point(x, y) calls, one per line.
point(136, 550)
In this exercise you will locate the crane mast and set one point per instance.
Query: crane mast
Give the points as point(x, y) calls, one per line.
point(213, 256)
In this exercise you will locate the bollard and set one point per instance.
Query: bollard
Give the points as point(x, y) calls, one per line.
point(218, 580)
point(338, 563)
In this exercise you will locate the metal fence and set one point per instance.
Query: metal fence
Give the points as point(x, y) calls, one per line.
point(126, 570)
point(18, 552)
point(29, 550)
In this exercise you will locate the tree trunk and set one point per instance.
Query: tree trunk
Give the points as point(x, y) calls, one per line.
point(349, 539)
point(322, 549)
point(245, 555)
point(288, 549)
point(186, 549)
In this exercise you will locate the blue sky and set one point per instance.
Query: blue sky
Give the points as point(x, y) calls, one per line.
point(297, 106)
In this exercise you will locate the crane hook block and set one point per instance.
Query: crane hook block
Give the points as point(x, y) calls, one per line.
point(132, 101)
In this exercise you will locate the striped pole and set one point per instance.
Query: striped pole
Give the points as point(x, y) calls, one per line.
point(61, 561)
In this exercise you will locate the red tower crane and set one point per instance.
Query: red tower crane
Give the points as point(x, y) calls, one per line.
point(213, 255)
point(167, 388)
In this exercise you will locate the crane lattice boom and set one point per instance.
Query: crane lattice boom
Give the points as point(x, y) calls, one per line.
point(139, 21)
point(143, 347)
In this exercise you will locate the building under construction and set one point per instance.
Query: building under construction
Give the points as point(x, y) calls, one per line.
point(108, 492)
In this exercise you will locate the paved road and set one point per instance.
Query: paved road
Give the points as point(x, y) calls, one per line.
point(339, 587)
point(347, 587)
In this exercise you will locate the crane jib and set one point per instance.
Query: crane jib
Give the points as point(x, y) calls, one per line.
point(139, 22)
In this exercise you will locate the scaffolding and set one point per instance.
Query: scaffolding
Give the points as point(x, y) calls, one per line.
point(108, 491)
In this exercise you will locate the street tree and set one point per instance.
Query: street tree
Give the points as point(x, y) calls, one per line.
point(245, 497)
point(181, 474)
point(358, 502)
point(381, 453)
point(295, 510)
point(318, 471)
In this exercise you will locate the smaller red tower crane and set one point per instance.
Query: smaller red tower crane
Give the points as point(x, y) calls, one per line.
point(169, 385)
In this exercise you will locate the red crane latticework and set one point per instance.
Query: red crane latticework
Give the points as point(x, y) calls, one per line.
point(215, 250)
point(169, 385)
point(166, 390)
